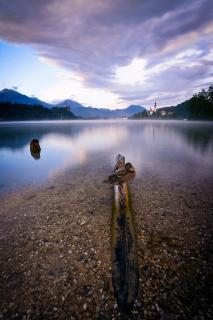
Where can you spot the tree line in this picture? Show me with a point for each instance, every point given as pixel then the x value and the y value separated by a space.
pixel 18 112
pixel 201 105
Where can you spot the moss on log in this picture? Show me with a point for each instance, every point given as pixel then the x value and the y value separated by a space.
pixel 124 252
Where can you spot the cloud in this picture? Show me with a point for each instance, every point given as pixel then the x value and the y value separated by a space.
pixel 93 39
pixel 169 81
pixel 14 88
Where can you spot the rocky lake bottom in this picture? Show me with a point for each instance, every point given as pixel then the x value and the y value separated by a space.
pixel 55 248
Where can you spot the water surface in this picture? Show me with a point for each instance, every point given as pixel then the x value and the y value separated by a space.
pixel 179 151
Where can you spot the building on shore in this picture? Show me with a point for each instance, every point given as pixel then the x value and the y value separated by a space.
pixel 153 109
pixel 164 113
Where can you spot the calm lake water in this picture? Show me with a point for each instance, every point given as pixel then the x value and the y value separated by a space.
pixel 173 150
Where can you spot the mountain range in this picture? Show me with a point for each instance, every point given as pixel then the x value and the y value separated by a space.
pixel 12 96
pixel 79 110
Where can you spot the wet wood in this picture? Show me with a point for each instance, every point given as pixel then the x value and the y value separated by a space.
pixel 124 251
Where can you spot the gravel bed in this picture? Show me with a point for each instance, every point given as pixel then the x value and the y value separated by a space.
pixel 55 249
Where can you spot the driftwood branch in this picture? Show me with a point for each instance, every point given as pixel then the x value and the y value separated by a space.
pixel 124 252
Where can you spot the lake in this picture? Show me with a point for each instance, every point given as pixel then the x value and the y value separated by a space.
pixel 178 151
pixel 55 253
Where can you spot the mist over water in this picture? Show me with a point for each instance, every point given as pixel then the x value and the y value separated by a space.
pixel 179 151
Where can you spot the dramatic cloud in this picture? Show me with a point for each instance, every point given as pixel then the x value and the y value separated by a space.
pixel 137 49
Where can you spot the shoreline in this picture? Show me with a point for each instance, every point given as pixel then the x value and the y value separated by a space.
pixel 102 119
pixel 56 255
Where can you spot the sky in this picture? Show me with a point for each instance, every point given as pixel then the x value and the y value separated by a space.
pixel 110 53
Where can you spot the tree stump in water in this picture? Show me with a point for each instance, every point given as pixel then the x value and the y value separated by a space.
pixel 35 149
pixel 124 252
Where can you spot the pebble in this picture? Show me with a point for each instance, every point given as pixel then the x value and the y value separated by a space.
pixel 158 284
pixel 138 304
pixel 83 222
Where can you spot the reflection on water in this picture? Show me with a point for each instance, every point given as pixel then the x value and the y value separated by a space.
pixel 169 149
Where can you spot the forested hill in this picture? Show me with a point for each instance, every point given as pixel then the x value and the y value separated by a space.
pixel 18 112
pixel 199 107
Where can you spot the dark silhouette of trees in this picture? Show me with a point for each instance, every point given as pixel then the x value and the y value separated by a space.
pixel 140 115
pixel 201 105
pixel 17 112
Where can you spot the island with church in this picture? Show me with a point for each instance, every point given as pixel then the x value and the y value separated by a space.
pixel 199 107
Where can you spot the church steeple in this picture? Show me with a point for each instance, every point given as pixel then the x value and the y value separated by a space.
pixel 155 106
pixel 152 110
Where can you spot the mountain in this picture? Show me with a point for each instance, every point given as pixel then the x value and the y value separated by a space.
pixel 89 112
pixel 69 103
pixel 133 109
pixel 12 96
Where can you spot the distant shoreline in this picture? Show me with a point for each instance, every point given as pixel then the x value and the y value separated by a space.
pixel 101 119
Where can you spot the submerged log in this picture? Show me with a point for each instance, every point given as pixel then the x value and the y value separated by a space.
pixel 124 252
